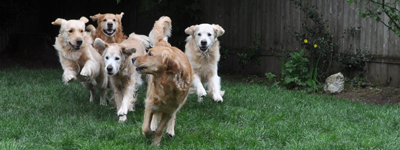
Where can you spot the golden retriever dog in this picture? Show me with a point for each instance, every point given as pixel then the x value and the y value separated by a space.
pixel 202 49
pixel 78 58
pixel 109 27
pixel 124 79
pixel 170 79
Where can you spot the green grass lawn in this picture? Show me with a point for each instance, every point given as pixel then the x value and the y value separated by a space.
pixel 37 111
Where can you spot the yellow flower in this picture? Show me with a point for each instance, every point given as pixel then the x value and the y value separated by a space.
pixel 305 40
pixel 315 45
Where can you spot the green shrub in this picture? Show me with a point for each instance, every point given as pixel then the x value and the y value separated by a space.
pixel 317 40
pixel 297 73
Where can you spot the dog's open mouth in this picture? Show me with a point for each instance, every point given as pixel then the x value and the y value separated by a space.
pixel 203 48
pixel 139 69
pixel 109 32
pixel 74 47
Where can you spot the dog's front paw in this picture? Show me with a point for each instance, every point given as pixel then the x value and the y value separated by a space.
pixel 123 110
pixel 201 93
pixel 200 98
pixel 86 72
pixel 67 78
pixel 218 98
pixel 122 118
pixel 170 133
pixel 156 143
pixel 147 133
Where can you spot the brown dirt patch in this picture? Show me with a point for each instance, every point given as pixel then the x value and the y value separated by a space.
pixel 378 95
pixel 374 95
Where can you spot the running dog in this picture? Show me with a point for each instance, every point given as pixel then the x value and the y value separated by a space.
pixel 170 79
pixel 124 79
pixel 79 60
pixel 202 49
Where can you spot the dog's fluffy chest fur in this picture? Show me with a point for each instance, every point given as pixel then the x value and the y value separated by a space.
pixel 196 56
pixel 166 91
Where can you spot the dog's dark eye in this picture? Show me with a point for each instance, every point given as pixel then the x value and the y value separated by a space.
pixel 116 58
pixel 199 34
pixel 81 31
pixel 150 54
pixel 70 31
pixel 209 34
pixel 106 57
pixel 104 20
pixel 114 20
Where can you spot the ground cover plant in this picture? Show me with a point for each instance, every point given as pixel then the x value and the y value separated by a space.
pixel 39 112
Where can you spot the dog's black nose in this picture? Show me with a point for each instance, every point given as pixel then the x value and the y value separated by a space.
pixel 133 60
pixel 109 25
pixel 109 68
pixel 203 42
pixel 79 41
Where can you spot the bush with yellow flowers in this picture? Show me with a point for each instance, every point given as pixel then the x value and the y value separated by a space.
pixel 318 44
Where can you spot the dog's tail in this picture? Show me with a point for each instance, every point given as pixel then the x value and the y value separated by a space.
pixel 92 30
pixel 144 40
pixel 160 32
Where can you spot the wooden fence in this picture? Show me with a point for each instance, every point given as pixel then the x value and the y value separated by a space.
pixel 275 19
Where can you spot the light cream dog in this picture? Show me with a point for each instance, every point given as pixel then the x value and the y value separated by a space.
pixel 124 79
pixel 170 79
pixel 78 58
pixel 202 49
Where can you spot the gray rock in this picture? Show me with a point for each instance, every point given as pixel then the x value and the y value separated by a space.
pixel 334 84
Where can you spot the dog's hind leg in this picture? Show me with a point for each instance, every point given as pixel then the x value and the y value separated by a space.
pixel 88 85
pixel 201 92
pixel 103 96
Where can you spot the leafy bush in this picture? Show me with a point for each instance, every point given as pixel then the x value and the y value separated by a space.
pixel 317 40
pixel 297 73
pixel 354 61
pixel 301 70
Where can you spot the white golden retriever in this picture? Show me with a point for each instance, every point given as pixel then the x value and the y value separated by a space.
pixel 202 49
pixel 124 79
pixel 78 58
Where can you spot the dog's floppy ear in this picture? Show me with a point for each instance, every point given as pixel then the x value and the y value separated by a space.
pixel 128 51
pixel 84 19
pixel 58 21
pixel 120 15
pixel 219 31
pixel 100 45
pixel 190 30
pixel 171 64
pixel 95 17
